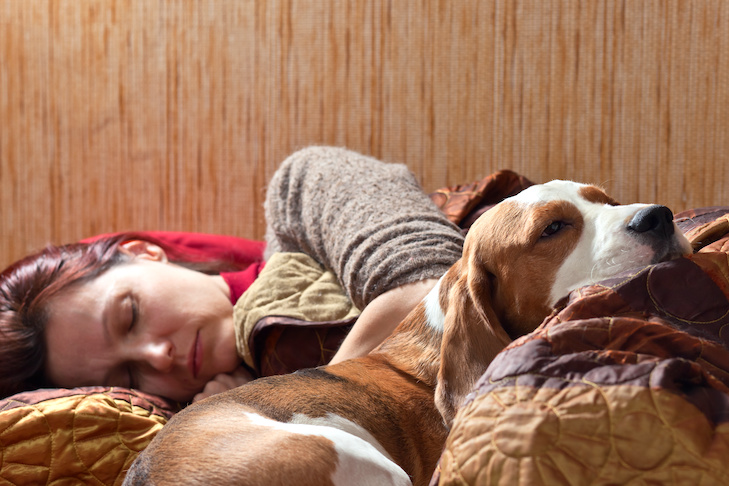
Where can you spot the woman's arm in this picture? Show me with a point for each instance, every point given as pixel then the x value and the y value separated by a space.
pixel 381 317
pixel 369 222
pixel 373 326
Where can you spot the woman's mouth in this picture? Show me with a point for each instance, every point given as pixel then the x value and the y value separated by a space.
pixel 194 360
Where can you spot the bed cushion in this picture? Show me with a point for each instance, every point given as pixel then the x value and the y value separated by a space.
pixel 627 384
pixel 86 435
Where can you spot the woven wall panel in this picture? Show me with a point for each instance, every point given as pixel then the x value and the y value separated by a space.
pixel 119 115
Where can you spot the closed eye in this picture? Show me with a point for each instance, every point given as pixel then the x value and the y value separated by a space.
pixel 134 311
pixel 553 228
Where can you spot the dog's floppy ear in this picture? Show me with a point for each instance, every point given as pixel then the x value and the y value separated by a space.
pixel 472 336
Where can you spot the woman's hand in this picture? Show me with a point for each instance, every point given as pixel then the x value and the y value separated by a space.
pixel 224 382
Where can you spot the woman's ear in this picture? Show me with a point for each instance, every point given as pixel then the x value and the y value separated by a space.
pixel 143 250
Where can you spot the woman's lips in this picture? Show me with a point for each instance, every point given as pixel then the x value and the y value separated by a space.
pixel 194 360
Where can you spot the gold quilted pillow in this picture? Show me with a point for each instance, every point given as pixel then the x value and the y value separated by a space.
pixel 89 434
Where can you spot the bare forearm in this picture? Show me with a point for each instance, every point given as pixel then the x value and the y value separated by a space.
pixel 381 317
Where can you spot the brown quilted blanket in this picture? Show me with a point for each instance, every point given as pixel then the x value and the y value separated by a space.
pixel 627 383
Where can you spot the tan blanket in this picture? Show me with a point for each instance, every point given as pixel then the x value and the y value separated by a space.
pixel 292 286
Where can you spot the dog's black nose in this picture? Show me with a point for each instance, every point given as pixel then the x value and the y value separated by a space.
pixel 653 219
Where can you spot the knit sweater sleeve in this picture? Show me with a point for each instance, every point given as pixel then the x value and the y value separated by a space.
pixel 368 221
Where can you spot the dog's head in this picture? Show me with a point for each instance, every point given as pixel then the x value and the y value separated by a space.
pixel 525 254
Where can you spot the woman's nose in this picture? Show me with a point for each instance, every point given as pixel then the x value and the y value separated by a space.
pixel 159 355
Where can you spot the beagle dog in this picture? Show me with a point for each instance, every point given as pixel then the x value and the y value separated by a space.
pixel 383 418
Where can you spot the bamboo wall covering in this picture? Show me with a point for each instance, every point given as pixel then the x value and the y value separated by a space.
pixel 137 114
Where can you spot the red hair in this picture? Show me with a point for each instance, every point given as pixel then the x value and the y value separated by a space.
pixel 28 284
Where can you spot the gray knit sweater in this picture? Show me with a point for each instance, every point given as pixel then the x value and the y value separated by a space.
pixel 367 221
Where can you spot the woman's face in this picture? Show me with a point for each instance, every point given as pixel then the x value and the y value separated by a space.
pixel 146 324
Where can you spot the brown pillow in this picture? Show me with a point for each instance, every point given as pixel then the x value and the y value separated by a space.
pixel 90 434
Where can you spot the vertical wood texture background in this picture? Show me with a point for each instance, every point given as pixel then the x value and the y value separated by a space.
pixel 140 114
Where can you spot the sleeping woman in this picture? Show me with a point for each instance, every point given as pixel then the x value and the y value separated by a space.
pixel 131 310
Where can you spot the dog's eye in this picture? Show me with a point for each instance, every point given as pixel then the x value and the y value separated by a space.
pixel 553 228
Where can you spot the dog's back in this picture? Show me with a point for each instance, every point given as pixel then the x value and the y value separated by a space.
pixel 353 423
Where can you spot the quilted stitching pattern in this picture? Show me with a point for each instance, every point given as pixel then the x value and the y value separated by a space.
pixel 584 435
pixel 628 402
pixel 25 447
pixel 87 435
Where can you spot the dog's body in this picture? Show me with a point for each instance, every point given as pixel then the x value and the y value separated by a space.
pixel 383 418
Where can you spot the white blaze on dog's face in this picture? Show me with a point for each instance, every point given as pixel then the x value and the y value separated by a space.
pixel 616 238
pixel 552 238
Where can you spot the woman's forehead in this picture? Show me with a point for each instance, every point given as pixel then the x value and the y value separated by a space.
pixel 75 339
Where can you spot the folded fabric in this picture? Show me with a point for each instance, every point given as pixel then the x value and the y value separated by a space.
pixel 292 286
